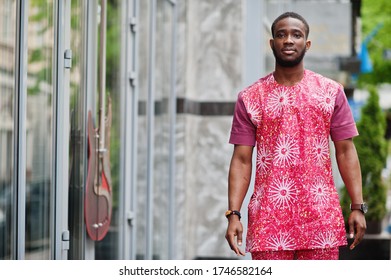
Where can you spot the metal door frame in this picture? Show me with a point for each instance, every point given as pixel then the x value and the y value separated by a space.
pixel 59 191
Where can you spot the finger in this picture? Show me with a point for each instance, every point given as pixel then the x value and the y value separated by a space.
pixel 351 230
pixel 357 240
pixel 355 243
pixel 239 238
pixel 353 222
pixel 239 242
pixel 231 241
pixel 237 250
pixel 232 244
pixel 241 253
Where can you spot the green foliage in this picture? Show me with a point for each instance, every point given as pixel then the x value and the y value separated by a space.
pixel 371 144
pixel 43 9
pixel 113 47
pixel 372 14
pixel 372 151
pixel 40 58
pixel 113 50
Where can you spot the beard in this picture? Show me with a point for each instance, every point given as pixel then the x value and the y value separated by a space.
pixel 288 63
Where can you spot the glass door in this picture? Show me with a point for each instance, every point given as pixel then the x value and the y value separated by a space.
pixel 7 94
pixel 39 130
pixel 33 126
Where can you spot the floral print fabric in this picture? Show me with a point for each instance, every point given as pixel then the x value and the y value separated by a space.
pixel 295 205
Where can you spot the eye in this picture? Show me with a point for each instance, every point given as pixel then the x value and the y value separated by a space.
pixel 280 35
pixel 297 35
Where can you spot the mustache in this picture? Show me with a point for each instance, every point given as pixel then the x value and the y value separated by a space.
pixel 288 49
pixel 288 63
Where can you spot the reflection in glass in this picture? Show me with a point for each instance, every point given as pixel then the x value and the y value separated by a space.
pixel 77 145
pixel 108 247
pixel 7 91
pixel 39 129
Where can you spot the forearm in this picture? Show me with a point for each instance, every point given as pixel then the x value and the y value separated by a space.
pixel 238 181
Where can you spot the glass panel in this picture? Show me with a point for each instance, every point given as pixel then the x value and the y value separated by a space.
pixel 39 129
pixel 77 145
pixel 7 89
pixel 108 247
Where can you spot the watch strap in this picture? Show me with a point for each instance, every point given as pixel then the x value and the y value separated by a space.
pixel 355 206
pixel 359 206
pixel 233 212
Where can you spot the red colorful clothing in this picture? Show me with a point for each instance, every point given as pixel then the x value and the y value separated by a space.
pixel 313 254
pixel 295 205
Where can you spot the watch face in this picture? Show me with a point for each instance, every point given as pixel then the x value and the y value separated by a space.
pixel 364 207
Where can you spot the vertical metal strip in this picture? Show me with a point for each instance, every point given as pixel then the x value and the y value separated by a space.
pixel 124 132
pixel 134 130
pixel 60 103
pixel 130 132
pixel 90 88
pixel 56 86
pixel 102 77
pixel 129 114
pixel 172 143
pixel 19 173
pixel 150 130
pixel 91 61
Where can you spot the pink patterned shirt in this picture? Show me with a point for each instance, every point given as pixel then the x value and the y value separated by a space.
pixel 295 205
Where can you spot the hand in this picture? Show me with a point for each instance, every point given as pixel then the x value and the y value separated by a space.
pixel 234 234
pixel 357 227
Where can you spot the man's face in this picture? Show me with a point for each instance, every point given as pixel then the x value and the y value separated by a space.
pixel 289 43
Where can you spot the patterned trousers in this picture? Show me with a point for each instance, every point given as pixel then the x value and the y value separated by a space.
pixel 314 254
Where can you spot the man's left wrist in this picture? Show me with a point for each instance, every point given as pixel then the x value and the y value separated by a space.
pixel 363 207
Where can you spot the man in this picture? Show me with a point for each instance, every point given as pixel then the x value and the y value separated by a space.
pixel 289 115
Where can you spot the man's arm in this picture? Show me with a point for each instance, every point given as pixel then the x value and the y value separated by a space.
pixel 349 168
pixel 238 182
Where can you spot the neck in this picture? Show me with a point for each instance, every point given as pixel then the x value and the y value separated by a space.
pixel 288 76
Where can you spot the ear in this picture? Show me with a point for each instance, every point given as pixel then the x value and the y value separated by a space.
pixel 307 45
pixel 271 43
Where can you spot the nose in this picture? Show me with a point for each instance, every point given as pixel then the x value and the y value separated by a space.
pixel 288 39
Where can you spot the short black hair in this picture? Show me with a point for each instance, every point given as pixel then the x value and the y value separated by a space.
pixel 291 15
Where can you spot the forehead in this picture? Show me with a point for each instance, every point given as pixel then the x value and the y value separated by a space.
pixel 289 23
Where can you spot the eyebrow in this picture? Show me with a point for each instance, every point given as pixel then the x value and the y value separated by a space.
pixel 293 30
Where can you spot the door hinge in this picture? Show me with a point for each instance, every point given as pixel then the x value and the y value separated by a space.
pixel 68 58
pixel 65 238
pixel 133 78
pixel 130 216
pixel 133 24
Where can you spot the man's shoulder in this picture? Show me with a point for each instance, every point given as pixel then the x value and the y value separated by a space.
pixel 321 78
pixel 254 88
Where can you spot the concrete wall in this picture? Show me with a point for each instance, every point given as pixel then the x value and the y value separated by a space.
pixel 210 58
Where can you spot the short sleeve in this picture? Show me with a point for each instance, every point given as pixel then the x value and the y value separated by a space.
pixel 243 131
pixel 343 125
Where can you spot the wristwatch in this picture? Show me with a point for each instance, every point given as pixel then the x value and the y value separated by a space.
pixel 363 207
pixel 232 212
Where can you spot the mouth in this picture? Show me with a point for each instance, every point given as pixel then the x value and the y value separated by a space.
pixel 288 51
